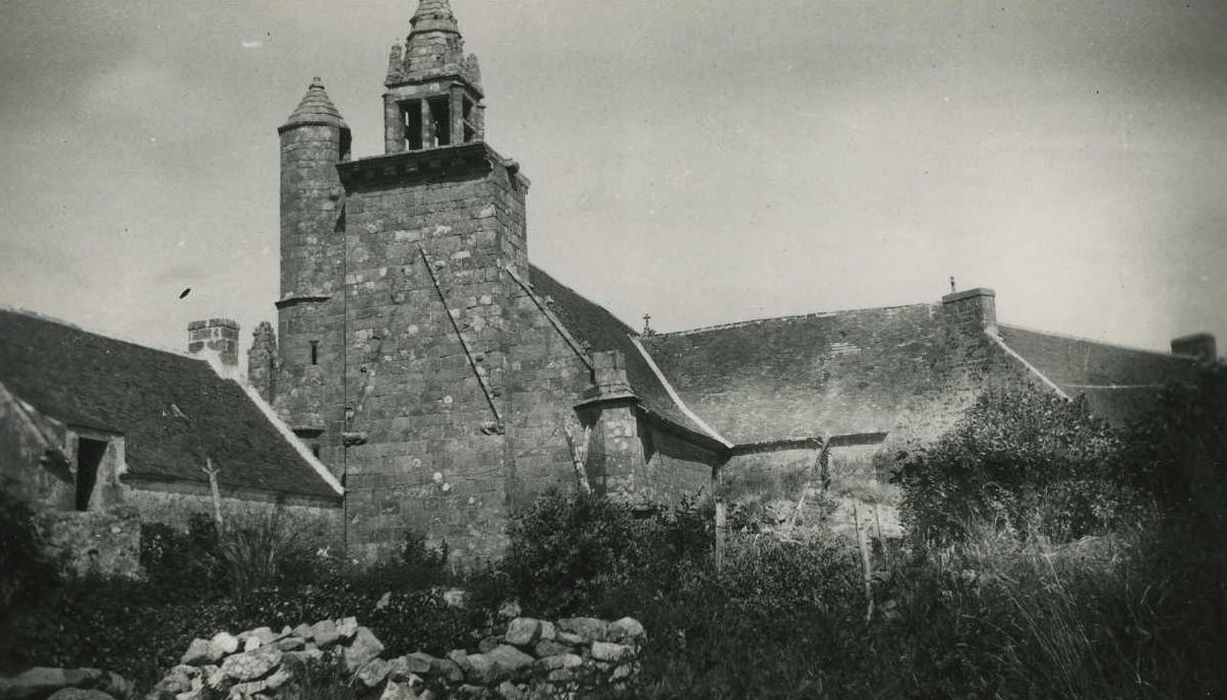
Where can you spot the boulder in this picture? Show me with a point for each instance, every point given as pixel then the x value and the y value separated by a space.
pixel 570 638
pixel 627 631
pixel 609 651
pixel 373 672
pixel 264 634
pixel 551 663
pixel 290 643
pixel 548 631
pixel 548 647
pixel 199 653
pixel 347 627
pixel 303 630
pixel 508 691
pixel 251 643
pixel 364 648
pixel 487 644
pixel 325 634
pixel 482 670
pixel 498 664
pixel 79 694
pixel 303 657
pixel 449 670
pixel 588 628
pixel 523 632
pixel 418 663
pixel 223 643
pixel 251 665
pixel 398 691
pixel 177 680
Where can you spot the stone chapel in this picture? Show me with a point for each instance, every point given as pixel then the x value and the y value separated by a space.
pixel 446 381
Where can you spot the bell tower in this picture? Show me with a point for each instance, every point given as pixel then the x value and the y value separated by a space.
pixel 434 90
pixel 430 241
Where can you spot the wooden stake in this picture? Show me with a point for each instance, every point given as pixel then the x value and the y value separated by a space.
pixel 866 566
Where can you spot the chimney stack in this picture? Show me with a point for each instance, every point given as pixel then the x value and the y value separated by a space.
pixel 216 336
pixel 1198 345
pixel 973 310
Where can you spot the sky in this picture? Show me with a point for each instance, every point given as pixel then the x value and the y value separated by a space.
pixel 702 161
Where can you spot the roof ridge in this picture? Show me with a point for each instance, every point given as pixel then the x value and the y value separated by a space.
pixel 814 314
pixel 1081 339
pixel 48 318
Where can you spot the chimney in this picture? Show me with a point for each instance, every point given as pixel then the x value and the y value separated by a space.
pixel 1198 345
pixel 973 310
pixel 218 337
pixel 609 373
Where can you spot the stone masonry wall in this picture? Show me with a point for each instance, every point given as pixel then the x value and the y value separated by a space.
pixel 545 379
pixel 435 458
pixel 675 468
pixel 310 320
pixel 176 504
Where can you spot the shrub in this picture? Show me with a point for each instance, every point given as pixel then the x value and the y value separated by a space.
pixel 24 571
pixel 1028 462
pixel 583 553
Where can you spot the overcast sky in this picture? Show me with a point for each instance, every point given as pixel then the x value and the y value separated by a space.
pixel 706 162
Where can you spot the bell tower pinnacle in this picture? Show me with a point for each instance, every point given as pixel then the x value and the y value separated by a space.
pixel 434 90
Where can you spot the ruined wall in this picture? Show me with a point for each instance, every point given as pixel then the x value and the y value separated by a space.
pixel 175 504
pixel 435 457
pixel 94 542
pixel 675 468
pixel 773 472
pixel 32 468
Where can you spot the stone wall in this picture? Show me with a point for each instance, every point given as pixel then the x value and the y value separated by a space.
pixel 567 658
pixel 427 355
pixel 175 504
pixel 675 467
pixel 102 543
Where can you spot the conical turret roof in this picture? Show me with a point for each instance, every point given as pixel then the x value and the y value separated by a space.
pixel 316 108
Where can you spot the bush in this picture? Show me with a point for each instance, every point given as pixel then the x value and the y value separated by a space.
pixel 24 571
pixel 1027 462
pixel 586 554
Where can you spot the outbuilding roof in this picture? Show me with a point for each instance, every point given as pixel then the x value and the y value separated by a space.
pixel 172 409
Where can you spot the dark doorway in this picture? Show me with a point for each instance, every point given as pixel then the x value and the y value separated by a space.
pixel 89 456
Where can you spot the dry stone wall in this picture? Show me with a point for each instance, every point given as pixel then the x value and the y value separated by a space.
pixel 533 658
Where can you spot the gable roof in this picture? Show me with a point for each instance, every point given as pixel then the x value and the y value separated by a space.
pixel 839 373
pixel 92 381
pixel 598 329
pixel 1120 384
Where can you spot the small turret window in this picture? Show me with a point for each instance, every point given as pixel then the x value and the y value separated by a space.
pixel 315 352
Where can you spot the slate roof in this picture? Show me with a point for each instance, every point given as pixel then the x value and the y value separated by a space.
pixel 1120 384
pixel 315 108
pixel 593 325
pixel 839 373
pixel 93 381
